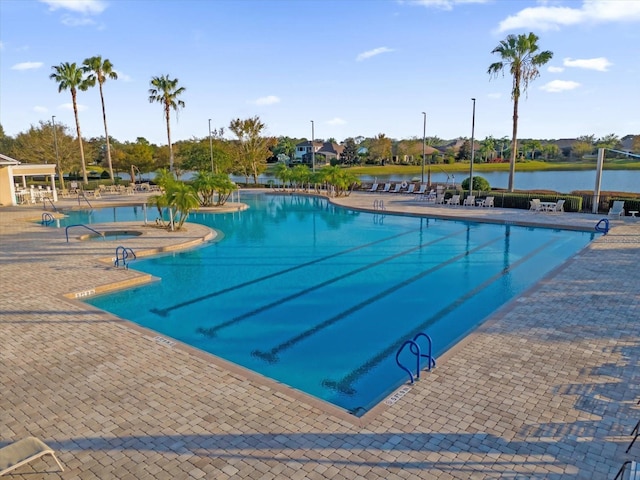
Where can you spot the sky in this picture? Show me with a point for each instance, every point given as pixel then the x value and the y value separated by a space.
pixel 331 68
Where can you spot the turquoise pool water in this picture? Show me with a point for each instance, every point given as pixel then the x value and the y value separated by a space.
pixel 321 298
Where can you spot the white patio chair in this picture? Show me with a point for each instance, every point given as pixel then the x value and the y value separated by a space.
pixel 617 210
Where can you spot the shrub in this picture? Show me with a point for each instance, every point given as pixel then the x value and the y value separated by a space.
pixel 479 183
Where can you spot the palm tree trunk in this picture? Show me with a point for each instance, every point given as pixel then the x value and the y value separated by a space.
pixel 166 114
pixel 106 135
pixel 85 180
pixel 514 144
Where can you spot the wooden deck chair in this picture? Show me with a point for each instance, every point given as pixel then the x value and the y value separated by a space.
pixel 22 452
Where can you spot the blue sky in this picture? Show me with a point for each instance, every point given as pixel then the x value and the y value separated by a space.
pixel 354 67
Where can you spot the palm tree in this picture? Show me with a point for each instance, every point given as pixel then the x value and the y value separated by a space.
pixel 521 54
pixel 70 77
pixel 99 71
pixel 165 91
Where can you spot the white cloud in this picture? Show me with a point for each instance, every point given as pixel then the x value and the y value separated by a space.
pixel 86 7
pixel 555 69
pixel 591 11
pixel 70 21
pixel 39 109
pixel 443 4
pixel 69 106
pixel 372 53
pixel 268 100
pixel 556 86
pixel 600 64
pixel 336 121
pixel 27 66
pixel 495 95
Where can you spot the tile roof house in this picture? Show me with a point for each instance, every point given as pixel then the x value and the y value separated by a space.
pixel 324 152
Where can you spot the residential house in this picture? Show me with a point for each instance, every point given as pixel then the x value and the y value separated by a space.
pixel 324 152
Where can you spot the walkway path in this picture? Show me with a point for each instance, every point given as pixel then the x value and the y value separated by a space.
pixel 546 388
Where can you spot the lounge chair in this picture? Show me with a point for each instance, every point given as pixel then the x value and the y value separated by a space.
pixel 374 187
pixel 396 189
pixel 470 201
pixel 558 207
pixel 487 202
pixel 22 452
pixel 454 200
pixel 386 188
pixel 534 205
pixel 411 188
pixel 440 199
pixel 421 190
pixel 617 210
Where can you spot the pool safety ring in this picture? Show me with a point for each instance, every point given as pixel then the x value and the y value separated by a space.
pixel 403 184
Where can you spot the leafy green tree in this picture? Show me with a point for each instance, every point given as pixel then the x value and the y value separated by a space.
pixel 6 141
pixel 70 77
pixel 252 149
pixel 608 141
pixel 99 71
pixel 522 56
pixel 194 154
pixel 165 91
pixel 350 152
pixel 380 147
pixel 138 154
pixel 582 146
pixel 487 148
pixel 464 153
pixel 550 150
pixel 38 145
pixel 285 146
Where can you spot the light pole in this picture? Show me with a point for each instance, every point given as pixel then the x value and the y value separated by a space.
pixel 210 146
pixel 473 126
pixel 424 133
pixel 55 142
pixel 313 148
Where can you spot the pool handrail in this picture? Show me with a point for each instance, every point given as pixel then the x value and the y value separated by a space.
pixel 125 254
pixel 47 219
pixel 66 230
pixel 413 345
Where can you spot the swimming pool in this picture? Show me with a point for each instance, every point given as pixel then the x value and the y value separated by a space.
pixel 320 298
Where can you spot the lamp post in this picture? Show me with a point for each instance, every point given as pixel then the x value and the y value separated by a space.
pixel 424 144
pixel 55 142
pixel 313 148
pixel 210 146
pixel 473 126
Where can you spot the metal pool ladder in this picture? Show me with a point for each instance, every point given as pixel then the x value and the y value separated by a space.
pixel 122 253
pixel 415 349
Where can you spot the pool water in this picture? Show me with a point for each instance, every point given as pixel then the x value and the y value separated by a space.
pixel 320 298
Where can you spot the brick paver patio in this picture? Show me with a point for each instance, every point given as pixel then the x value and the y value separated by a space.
pixel 546 388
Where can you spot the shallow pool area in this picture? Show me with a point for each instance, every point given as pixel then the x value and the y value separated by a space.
pixel 321 298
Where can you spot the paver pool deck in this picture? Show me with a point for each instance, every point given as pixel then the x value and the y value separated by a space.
pixel 546 388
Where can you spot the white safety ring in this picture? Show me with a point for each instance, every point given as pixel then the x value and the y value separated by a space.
pixel 403 184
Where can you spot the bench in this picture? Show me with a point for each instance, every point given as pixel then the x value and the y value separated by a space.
pixel 22 452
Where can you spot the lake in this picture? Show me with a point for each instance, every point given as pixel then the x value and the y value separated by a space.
pixel 559 181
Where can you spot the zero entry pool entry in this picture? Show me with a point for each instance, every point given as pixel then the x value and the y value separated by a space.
pixel 321 298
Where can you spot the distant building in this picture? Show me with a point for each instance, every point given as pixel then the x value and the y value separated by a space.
pixel 324 152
